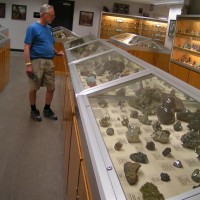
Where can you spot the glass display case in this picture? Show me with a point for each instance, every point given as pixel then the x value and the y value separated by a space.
pixel 136 42
pixel 146 134
pixel 79 41
pixel 112 24
pixel 87 49
pixel 186 48
pixel 96 71
pixel 3 30
pixel 62 34
pixel 4 40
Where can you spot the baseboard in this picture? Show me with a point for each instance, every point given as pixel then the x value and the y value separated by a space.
pixel 18 50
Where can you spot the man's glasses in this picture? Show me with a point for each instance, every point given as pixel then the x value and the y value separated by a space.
pixel 50 15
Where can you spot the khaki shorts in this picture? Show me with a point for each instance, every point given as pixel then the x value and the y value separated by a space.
pixel 45 71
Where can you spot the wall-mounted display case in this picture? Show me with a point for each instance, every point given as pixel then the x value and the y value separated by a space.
pixel 113 24
pixel 185 53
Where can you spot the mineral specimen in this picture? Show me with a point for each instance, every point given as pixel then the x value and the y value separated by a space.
pixel 161 136
pixel 118 146
pixel 121 104
pixel 105 121
pixel 130 170
pixel 166 151
pixel 150 192
pixel 125 121
pixel 120 92
pixel 156 126
pixel 165 177
pixel 196 175
pixel 110 131
pixel 177 126
pixel 194 122
pixel 103 104
pixel 150 146
pixel 190 140
pixel 184 115
pixel 165 112
pixel 144 119
pixel 91 80
pixel 132 134
pixel 147 100
pixel 178 164
pixel 139 157
pixel 134 114
pixel 197 151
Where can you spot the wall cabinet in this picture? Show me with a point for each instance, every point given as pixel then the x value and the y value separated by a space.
pixel 186 48
pixel 113 24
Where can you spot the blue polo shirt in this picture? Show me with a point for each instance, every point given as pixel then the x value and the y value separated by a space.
pixel 41 40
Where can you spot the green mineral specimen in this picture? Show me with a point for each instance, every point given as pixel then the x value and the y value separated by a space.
pixel 150 192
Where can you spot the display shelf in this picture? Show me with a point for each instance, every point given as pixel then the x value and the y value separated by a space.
pixel 186 47
pixel 112 24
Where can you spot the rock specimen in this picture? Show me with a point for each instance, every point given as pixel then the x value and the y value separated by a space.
pixel 110 131
pixel 147 100
pixel 134 114
pixel 120 92
pixel 85 72
pixel 103 104
pixel 150 192
pixel 184 115
pixel 177 126
pixel 91 80
pixel 166 151
pixel 165 112
pixel 105 121
pixel 139 157
pixel 194 123
pixel 132 134
pixel 130 170
pixel 156 126
pixel 125 121
pixel 118 146
pixel 196 175
pixel 165 177
pixel 144 119
pixel 190 140
pixel 161 136
pixel 121 104
pixel 150 146
pixel 178 164
pixel 197 151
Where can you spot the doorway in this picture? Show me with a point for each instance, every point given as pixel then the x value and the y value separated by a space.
pixel 64 12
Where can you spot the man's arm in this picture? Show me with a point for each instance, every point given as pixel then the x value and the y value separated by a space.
pixel 27 59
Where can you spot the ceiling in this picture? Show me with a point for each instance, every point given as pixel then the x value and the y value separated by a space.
pixel 158 2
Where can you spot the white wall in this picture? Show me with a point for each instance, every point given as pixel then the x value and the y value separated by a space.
pixel 174 10
pixel 17 28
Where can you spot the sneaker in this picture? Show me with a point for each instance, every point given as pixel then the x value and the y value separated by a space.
pixel 50 114
pixel 35 115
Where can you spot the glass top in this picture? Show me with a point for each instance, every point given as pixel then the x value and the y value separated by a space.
pixel 104 68
pixel 79 41
pixel 88 49
pixel 150 122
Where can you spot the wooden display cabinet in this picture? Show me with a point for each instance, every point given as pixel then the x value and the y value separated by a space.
pixel 186 49
pixel 112 24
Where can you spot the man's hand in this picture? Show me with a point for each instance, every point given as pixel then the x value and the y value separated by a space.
pixel 29 70
pixel 59 53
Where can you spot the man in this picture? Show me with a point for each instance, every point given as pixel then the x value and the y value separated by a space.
pixel 39 52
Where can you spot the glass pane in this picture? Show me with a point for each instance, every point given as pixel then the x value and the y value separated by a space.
pixel 104 68
pixel 150 122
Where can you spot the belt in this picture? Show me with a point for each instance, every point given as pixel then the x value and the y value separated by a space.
pixel 42 58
